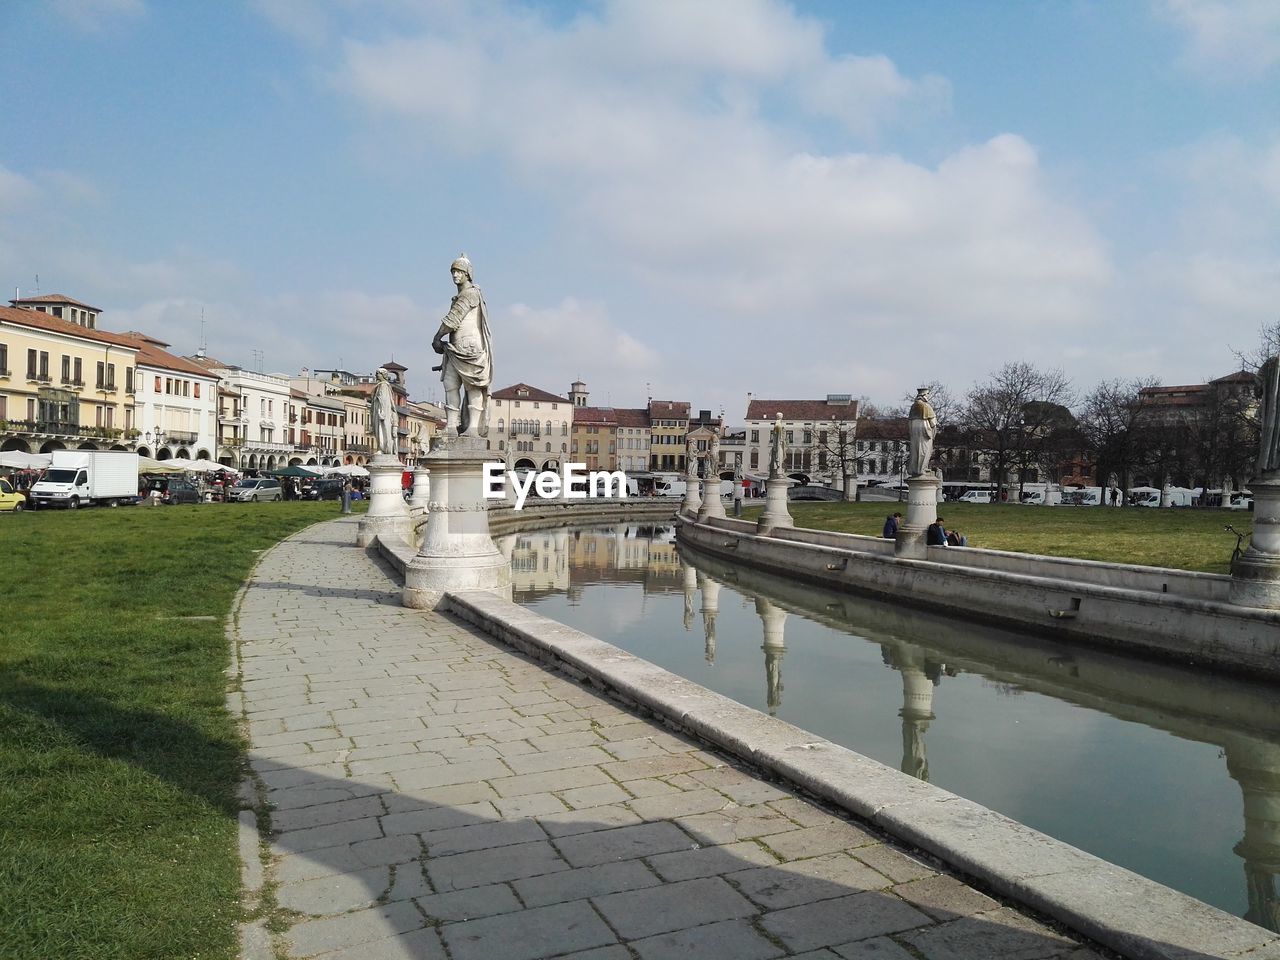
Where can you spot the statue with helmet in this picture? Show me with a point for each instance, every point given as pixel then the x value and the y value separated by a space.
pixel 467 357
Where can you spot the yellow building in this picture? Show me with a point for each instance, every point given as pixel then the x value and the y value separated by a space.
pixel 668 424
pixel 595 438
pixel 64 384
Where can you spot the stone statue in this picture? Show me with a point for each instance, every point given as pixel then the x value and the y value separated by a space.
pixel 922 426
pixel 690 455
pixel 737 470
pixel 467 367
pixel 1269 436
pixel 382 415
pixel 777 448
pixel 713 457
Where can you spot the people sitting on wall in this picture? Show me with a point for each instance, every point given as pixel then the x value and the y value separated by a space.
pixel 891 525
pixel 936 534
pixel 956 539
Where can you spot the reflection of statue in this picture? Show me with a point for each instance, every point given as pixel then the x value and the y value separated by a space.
pixel 922 424
pixel 1269 445
pixel 777 448
pixel 382 414
pixel 467 368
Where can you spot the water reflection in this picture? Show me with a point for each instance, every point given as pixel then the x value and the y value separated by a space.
pixel 1097 748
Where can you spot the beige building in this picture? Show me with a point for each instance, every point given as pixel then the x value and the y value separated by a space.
pixel 530 427
pixel 668 424
pixel 819 435
pixel 64 384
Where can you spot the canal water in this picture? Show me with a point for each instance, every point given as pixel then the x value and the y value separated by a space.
pixel 1170 772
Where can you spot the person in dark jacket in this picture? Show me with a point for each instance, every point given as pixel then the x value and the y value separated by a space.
pixel 891 525
pixel 936 535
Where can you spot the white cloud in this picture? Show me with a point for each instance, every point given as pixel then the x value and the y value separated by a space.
pixel 1227 38
pixel 670 152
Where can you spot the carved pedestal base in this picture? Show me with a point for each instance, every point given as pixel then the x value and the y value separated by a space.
pixel 922 510
pixel 387 509
pixel 775 513
pixel 712 505
pixel 421 488
pixel 692 497
pixel 457 552
pixel 1255 577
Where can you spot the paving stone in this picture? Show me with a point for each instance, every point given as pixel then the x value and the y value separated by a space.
pixel 349 929
pixel 672 906
pixel 418 945
pixel 529 934
pixel 667 806
pixel 806 881
pixel 801 811
pixel 597 796
pixel 531 805
pixel 646 767
pixel 332 834
pixel 469 904
pixel 624 843
pixel 457 794
pixel 711 861
pixel 438 818
pixel 877 948
pixel 944 897
pixel 568 822
pixel 812 841
pixel 482 836
pixel 447 774
pixel 728 940
pixel 318 815
pixel 335 893
pixel 732 823
pixel 738 786
pixel 481 867
pixel 615 952
pixel 893 863
pixel 548 782
pixel 586 882
pixel 1002 933
pixel 635 749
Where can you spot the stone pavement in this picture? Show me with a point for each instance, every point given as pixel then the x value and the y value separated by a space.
pixel 432 793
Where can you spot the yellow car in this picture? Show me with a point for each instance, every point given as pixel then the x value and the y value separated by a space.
pixel 11 499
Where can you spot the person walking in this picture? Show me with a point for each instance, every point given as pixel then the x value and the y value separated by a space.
pixel 346 494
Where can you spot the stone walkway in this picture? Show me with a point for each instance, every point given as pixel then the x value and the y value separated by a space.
pixel 434 794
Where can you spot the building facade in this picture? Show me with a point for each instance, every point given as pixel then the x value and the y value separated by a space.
pixel 820 435
pixel 176 403
pixel 530 427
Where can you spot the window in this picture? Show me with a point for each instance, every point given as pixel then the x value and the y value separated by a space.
pixel 111 376
pixel 564 429
pixel 66 368
pixel 102 375
pixel 44 365
pixel 536 405
pixel 501 427
pixel 548 428
pixel 128 379
pixel 755 436
pixel 197 391
pixel 79 373
pixel 31 365
pixel 4 360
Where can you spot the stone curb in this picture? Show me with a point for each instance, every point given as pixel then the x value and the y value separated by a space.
pixel 1137 917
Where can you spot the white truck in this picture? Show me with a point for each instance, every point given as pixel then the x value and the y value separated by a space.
pixel 78 478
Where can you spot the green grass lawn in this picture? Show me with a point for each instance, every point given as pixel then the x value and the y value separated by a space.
pixel 118 761
pixel 1185 539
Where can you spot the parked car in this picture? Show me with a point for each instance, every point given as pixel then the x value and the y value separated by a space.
pixel 976 496
pixel 11 499
pixel 173 489
pixel 258 488
pixel 325 490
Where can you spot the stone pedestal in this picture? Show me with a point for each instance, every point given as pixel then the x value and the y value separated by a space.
pixel 1255 576
pixel 387 510
pixel 457 552
pixel 850 487
pixel 692 497
pixel 712 504
pixel 922 510
pixel 421 488
pixel 775 513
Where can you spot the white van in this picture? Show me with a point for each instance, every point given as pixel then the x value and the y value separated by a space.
pixel 976 496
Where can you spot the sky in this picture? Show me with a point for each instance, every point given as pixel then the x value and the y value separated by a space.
pixel 683 199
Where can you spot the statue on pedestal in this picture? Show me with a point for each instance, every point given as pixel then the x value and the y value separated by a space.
pixel 690 455
pixel 1268 465
pixel 382 414
pixel 777 448
pixel 922 426
pixel 467 367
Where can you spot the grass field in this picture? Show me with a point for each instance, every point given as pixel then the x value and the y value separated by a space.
pixel 118 762
pixel 1185 539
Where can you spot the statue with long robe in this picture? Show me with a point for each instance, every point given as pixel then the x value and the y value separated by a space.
pixel 922 427
pixel 1268 465
pixel 777 448
pixel 467 366
pixel 382 415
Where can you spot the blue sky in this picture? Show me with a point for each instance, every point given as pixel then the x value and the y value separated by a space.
pixel 686 199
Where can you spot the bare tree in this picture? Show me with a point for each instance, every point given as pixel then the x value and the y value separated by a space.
pixel 1007 416
pixel 1114 426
